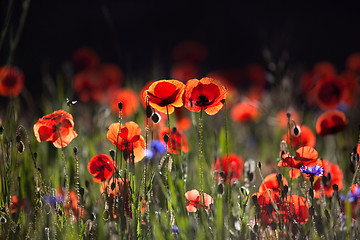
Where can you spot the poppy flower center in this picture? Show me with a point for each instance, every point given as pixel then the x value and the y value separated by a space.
pixel 330 93
pixel 202 101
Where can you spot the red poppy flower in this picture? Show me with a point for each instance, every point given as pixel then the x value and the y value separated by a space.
pixel 166 94
pixel 309 80
pixel 57 127
pixel 330 122
pixel 266 201
pixel 84 58
pixel 195 201
pixel 352 88
pixel 271 182
pixel 332 175
pixel 295 208
pixel 190 51
pixel 305 156
pixel 232 94
pixel 129 100
pixel 329 92
pixel 178 140
pixel 236 167
pixel 245 111
pixel 127 138
pixel 11 81
pixel 102 167
pixel 206 94
pixel 184 71
pixel 282 118
pixel 304 137
pixel 93 84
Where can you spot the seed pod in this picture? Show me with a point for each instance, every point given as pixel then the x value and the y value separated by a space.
pixel 155 117
pixel 148 111
pixel 120 105
pixel 20 147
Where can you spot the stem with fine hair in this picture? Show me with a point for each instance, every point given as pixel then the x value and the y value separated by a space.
pixel 201 151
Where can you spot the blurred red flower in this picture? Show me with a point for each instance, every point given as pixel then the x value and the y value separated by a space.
pixel 127 137
pixel 93 84
pixel 353 62
pixel 128 98
pixel 178 140
pixel 295 208
pixel 329 92
pixel 332 175
pixel 245 111
pixel 305 156
pixel 236 167
pixel 101 166
pixel 11 81
pixel 271 182
pixel 206 94
pixel 282 118
pixel 57 127
pixel 84 58
pixel 195 200
pixel 331 122
pixel 184 71
pixel 166 94
pixel 300 136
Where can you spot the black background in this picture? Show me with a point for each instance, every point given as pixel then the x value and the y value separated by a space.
pixel 137 34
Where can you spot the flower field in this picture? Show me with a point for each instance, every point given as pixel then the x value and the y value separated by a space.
pixel 250 152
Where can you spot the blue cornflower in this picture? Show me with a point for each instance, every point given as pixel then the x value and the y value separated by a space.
pixel 353 196
pixel 312 171
pixel 52 200
pixel 156 148
pixel 175 229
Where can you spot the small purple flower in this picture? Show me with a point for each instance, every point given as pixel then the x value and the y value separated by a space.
pixel 175 229
pixel 156 148
pixel 353 196
pixel 52 200
pixel 312 171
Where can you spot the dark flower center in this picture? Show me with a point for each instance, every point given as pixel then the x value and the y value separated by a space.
pixel 202 101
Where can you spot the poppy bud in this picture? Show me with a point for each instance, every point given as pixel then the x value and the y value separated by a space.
pixel 112 154
pixel 174 129
pixel 75 150
pixel 296 131
pixel 222 174
pixel 18 138
pixel 166 138
pixel 254 199
pixel 155 117
pixel 120 105
pixel 273 225
pixel 256 227
pixel 335 187
pixel 250 176
pixel 81 191
pixel 1 129
pixel 220 188
pixel 148 111
pixel 35 155
pixel 294 229
pixel 259 165
pixel 113 185
pixel 3 220
pixel 288 115
pixel 20 147
pixel 126 154
pixel 87 184
pixel 279 178
pixel 245 191
pixel 285 191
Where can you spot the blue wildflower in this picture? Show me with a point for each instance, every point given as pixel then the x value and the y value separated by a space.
pixel 175 229
pixel 156 148
pixel 353 196
pixel 52 200
pixel 312 171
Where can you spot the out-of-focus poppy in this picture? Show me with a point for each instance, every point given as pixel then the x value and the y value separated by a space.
pixel 94 84
pixel 353 197
pixel 128 138
pixel 195 200
pixel 206 94
pixel 11 81
pixel 329 92
pixel 221 76
pixel 332 175
pixel 266 201
pixel 300 136
pixel 129 100
pixel 282 119
pixel 271 181
pixel 101 166
pixel 353 62
pixel 352 88
pixel 305 156
pixel 309 80
pixel 178 140
pixel 182 121
pixel 184 71
pixel 190 51
pixel 295 208
pixel 245 111
pixel 331 122
pixel 57 127
pixel 15 204
pixel 84 58
pixel 236 167
pixel 166 94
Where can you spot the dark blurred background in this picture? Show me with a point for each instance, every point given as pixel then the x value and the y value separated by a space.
pixel 138 34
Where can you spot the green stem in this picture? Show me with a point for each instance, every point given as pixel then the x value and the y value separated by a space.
pixel 201 151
